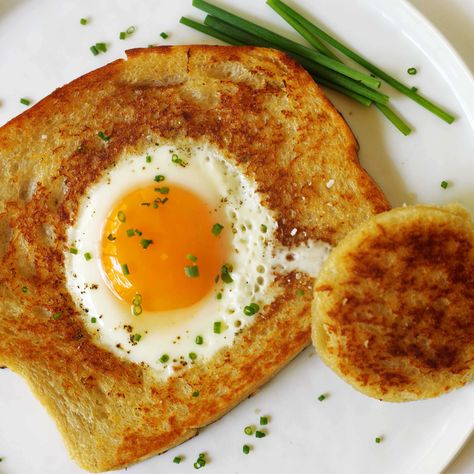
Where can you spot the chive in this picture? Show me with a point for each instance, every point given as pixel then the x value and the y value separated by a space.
pixel 209 31
pixel 191 271
pixel 73 250
pixel 249 430
pixel 217 327
pixel 111 237
pixel 101 47
pixel 300 292
pixel 130 30
pixel 83 21
pixel 56 316
pixel 322 397
pixel 138 232
pixel 217 229
pixel 264 420
pixel 93 320
pixel 394 118
pixel 201 461
pixel 196 393
pixel 137 299
pixel 284 42
pixel 323 72
pixel 103 136
pixel 148 159
pixel 263 228
pixel 225 274
pixel 364 62
pixel 191 257
pixel 125 269
pixel 260 434
pixel 177 459
pixel 24 289
pixel 444 184
pixel 130 232
pixel 199 340
pixel 145 243
pixel 412 71
pixel 164 35
pixel 121 216
pixel 88 256
pixel 137 310
pixel 251 309
pixel 122 35
pixel 219 296
pixel 246 449
pixel 25 101
pixel 94 50
pixel 177 160
pixel 163 190
pixel 378 440
pixel 159 177
pixel 164 358
pixel 137 337
pixel 192 355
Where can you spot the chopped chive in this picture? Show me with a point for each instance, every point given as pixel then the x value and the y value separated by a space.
pixel 322 397
pixel 25 101
pixel 164 35
pixel 177 160
pixel 125 269
pixel 103 136
pixel 219 296
pixel 130 30
pixel 57 316
pixel 101 47
pixel 88 256
pixel 24 289
pixel 199 340
pixel 122 35
pixel 73 250
pixel 137 337
pixel 196 393
pixel 412 71
pixel 138 232
pixel 111 237
pixel 263 228
pixel 225 274
pixel 263 420
pixel 246 449
pixel 249 430
pixel 93 320
pixel 217 327
pixel 217 229
pixel 192 355
pixel 94 50
pixel 191 257
pixel 201 461
pixel 159 177
pixel 164 358
pixel 191 271
pixel 378 440
pixel 299 292
pixel 137 310
pixel 130 232
pixel 83 21
pixel 145 243
pixel 177 459
pixel 260 434
pixel 251 309
pixel 137 299
pixel 444 184
pixel 148 158
pixel 163 190
pixel 121 216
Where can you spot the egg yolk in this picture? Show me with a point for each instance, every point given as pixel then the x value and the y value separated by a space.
pixel 162 248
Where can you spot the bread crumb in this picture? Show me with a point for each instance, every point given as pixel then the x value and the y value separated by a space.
pixel 330 184
pixel 44 137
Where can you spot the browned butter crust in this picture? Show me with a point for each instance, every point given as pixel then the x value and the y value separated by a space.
pixel 263 112
pixel 394 304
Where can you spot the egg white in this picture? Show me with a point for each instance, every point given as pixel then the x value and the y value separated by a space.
pixel 255 258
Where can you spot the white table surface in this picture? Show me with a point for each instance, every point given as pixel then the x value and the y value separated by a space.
pixel 455 20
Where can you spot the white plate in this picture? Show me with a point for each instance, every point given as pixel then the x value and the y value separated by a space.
pixel 42 46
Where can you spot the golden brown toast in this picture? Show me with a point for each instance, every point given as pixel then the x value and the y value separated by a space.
pixel 263 112
pixel 393 310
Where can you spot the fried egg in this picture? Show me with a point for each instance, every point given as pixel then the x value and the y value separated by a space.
pixel 173 253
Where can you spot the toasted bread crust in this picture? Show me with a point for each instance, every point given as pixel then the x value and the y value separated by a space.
pixel 394 304
pixel 261 110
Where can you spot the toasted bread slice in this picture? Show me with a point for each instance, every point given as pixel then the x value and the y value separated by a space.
pixel 393 310
pixel 264 113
